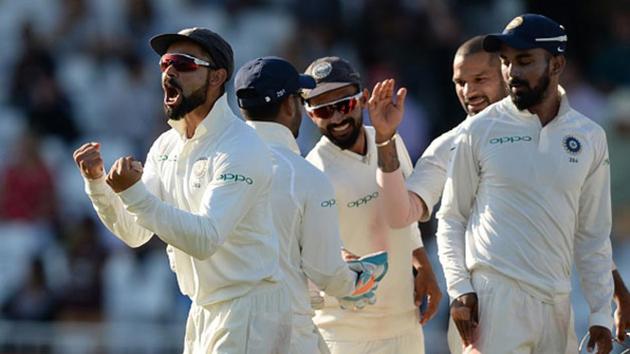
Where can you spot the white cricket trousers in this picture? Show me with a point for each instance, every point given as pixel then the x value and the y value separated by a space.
pixel 305 337
pixel 411 342
pixel 513 321
pixel 259 322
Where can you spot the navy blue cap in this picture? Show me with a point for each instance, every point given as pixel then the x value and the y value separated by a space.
pixel 267 80
pixel 529 31
pixel 331 73
pixel 219 49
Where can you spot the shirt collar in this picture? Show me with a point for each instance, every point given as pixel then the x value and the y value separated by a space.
pixel 274 133
pixel 216 120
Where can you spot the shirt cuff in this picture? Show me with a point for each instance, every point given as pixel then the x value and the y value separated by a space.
pixel 134 195
pixel 600 319
pixel 96 186
pixel 460 288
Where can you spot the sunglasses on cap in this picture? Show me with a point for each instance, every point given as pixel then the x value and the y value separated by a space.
pixel 182 62
pixel 344 105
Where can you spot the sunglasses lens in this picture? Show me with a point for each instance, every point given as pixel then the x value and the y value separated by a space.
pixel 324 112
pixel 346 106
pixel 179 62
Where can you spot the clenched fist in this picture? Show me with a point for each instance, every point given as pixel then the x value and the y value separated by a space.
pixel 89 160
pixel 124 173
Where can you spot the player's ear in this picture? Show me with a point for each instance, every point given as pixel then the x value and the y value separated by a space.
pixel 217 77
pixel 557 64
pixel 365 97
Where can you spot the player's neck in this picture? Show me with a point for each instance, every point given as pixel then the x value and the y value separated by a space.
pixel 547 110
pixel 360 146
pixel 196 116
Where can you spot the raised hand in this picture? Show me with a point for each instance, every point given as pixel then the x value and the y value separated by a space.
pixel 124 173
pixel 385 114
pixel 89 160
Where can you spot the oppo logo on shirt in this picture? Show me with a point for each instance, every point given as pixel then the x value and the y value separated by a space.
pixel 510 139
pixel 233 177
pixel 328 203
pixel 362 201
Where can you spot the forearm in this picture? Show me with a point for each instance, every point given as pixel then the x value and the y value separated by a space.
pixel 452 254
pixel 112 213
pixel 402 207
pixel 388 157
pixel 621 292
pixel 193 234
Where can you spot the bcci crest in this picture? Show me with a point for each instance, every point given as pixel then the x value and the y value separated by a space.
pixel 571 145
pixel 322 70
pixel 200 167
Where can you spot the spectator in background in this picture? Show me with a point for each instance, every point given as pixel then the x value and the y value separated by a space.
pixel 82 294
pixel 34 301
pixel 27 191
pixel 618 133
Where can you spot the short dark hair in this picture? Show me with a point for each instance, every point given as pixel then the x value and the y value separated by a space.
pixel 265 112
pixel 472 46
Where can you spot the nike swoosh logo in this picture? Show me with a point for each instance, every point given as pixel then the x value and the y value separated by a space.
pixel 560 49
pixel 453 148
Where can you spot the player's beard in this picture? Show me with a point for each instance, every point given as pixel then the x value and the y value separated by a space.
pixel 188 103
pixel 347 141
pixel 529 96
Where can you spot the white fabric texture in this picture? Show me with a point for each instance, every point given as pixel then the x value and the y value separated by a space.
pixel 364 230
pixel 528 201
pixel 207 197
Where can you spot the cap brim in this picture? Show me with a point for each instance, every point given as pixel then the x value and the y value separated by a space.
pixel 160 43
pixel 306 82
pixel 325 87
pixel 493 42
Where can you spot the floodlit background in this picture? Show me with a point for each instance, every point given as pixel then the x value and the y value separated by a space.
pixel 81 70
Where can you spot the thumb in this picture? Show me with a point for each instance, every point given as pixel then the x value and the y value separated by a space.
pixel 590 346
pixel 400 97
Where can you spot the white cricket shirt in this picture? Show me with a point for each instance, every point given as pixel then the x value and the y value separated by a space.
pixel 527 201
pixel 207 197
pixel 364 230
pixel 307 222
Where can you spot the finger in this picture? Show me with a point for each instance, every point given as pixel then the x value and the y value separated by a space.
pixel 127 163
pixel 400 97
pixel 604 346
pixel 386 89
pixel 465 331
pixel 620 333
pixel 432 306
pixel 375 91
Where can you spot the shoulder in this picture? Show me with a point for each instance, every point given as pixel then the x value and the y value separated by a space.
pixel 240 145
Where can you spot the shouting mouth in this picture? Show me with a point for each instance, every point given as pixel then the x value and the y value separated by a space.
pixel 172 94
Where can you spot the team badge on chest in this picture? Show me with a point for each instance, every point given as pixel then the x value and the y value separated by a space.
pixel 571 145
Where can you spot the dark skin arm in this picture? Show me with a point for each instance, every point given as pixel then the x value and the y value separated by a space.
pixel 425 285
pixel 622 313
pixel 465 314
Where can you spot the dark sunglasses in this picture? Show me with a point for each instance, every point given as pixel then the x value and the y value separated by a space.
pixel 182 62
pixel 344 105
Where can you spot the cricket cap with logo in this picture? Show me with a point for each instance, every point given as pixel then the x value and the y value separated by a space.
pixel 268 80
pixel 218 48
pixel 331 73
pixel 529 31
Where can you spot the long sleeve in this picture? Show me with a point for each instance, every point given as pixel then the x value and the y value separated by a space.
pixel 320 243
pixel 593 255
pixel 459 195
pixel 402 207
pixel 225 202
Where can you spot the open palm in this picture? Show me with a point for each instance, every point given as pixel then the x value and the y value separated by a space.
pixel 385 114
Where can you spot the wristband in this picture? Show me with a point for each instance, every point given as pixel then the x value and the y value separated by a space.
pixel 387 142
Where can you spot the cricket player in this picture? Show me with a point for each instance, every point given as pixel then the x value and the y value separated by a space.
pixel 204 191
pixel 478 83
pixel 527 194
pixel 347 154
pixel 303 200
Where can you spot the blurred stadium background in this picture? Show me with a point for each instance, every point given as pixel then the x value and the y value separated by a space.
pixel 81 70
